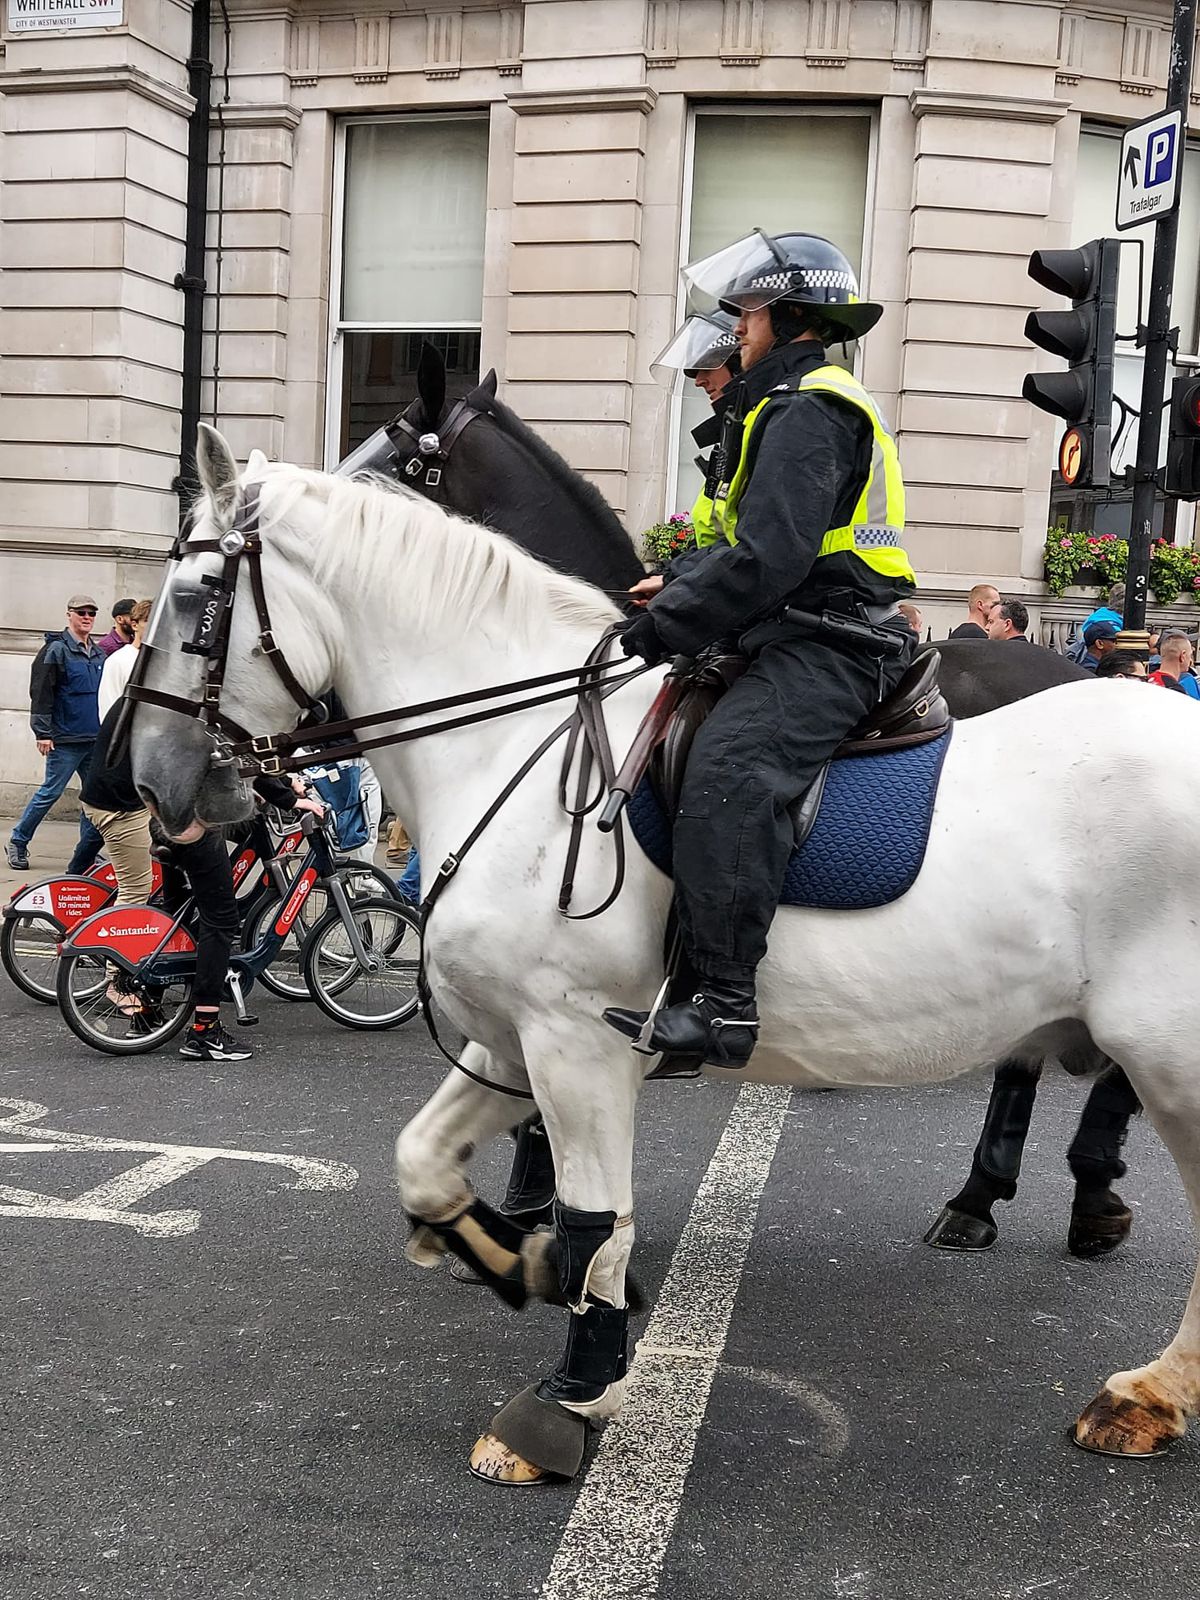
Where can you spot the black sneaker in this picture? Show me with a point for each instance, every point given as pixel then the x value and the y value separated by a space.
pixel 17 856
pixel 213 1044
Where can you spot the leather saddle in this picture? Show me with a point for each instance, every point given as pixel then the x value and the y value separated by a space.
pixel 914 713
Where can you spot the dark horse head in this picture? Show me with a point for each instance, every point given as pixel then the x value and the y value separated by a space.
pixel 476 457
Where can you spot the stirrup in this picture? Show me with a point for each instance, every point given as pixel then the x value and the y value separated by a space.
pixel 642 1043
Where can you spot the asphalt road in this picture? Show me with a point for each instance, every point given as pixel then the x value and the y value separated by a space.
pixel 262 1398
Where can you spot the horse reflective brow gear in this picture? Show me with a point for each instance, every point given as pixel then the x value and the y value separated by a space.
pixel 798 269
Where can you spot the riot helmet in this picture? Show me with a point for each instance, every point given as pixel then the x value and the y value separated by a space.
pixel 799 270
pixel 705 342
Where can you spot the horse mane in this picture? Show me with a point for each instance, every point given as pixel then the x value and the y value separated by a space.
pixel 573 484
pixel 375 535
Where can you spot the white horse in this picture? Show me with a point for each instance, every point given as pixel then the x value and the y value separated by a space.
pixel 389 599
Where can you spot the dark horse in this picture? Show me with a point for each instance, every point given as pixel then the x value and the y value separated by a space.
pixel 477 457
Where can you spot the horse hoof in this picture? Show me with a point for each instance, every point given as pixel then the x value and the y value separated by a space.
pixel 1141 1422
pixel 1095 1232
pixel 493 1460
pixel 958 1230
pixel 424 1247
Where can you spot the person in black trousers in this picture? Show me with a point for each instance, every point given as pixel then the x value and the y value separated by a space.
pixel 203 869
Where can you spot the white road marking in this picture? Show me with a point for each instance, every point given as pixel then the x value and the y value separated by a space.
pixel 110 1201
pixel 616 1538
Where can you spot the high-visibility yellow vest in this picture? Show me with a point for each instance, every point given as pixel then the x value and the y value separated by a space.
pixel 876 528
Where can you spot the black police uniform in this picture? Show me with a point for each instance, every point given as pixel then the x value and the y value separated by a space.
pixel 779 723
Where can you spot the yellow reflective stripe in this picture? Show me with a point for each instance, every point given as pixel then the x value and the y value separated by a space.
pixel 703 521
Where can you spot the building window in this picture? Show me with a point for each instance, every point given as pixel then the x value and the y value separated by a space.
pixel 784 172
pixel 410 265
pixel 1095 196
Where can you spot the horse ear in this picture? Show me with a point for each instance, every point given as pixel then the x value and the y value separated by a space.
pixel 218 471
pixel 487 385
pixel 431 383
pixel 257 464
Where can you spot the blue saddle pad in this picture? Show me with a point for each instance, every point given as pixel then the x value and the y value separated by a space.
pixel 870 835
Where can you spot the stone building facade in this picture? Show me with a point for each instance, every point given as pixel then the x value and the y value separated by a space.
pixel 563 156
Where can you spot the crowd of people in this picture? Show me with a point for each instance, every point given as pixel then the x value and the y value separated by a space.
pixel 1094 647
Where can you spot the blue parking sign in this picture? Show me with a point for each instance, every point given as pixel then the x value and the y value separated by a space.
pixel 1148 177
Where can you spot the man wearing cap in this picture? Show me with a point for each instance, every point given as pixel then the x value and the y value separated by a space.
pixel 64 684
pixel 121 632
pixel 1101 640
pixel 809 513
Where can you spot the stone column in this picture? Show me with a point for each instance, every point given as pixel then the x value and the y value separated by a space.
pixel 977 458
pixel 573 272
pixel 92 211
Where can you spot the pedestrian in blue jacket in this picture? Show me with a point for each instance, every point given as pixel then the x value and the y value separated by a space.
pixel 64 683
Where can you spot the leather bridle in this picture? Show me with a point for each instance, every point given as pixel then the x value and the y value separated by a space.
pixel 242 542
pixel 421 456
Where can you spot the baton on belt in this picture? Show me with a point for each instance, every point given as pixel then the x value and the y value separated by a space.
pixel 849 630
pixel 653 725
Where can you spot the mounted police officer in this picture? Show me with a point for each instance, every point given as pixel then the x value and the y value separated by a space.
pixel 808 513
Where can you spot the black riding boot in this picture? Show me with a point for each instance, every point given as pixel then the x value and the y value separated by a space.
pixel 719 1024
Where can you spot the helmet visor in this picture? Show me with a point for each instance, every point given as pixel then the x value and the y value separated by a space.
pixel 703 344
pixel 748 274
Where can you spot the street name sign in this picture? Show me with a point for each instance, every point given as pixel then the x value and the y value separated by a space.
pixel 58 16
pixel 1148 181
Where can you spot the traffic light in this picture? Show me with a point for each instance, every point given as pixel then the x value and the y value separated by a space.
pixel 1085 336
pixel 1183 440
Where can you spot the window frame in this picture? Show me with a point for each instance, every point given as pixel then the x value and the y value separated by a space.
pixel 337 326
pixel 867 111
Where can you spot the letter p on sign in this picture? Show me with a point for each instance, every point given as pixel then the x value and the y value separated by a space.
pixel 1160 157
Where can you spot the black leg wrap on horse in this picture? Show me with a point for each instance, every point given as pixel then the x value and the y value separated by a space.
pixel 579 1236
pixel 530 1196
pixel 966 1222
pixel 536 1424
pixel 490 1245
pixel 595 1356
pixel 1095 1153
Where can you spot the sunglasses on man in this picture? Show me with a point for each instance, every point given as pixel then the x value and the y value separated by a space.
pixel 82 611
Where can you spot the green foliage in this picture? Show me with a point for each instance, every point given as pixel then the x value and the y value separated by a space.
pixel 1099 560
pixel 668 539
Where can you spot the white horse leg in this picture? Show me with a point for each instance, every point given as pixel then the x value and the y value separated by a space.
pixel 431 1156
pixel 1139 1412
pixel 589 1116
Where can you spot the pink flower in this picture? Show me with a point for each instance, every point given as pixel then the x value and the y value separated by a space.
pixel 1196 583
pixel 1064 544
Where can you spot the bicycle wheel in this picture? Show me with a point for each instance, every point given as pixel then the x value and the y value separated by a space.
pixel 81 988
pixel 29 951
pixel 379 996
pixel 285 976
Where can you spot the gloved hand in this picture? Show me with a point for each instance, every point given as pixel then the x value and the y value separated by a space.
pixel 641 638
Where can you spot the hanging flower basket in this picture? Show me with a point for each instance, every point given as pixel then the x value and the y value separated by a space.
pixel 666 540
pixel 1097 561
